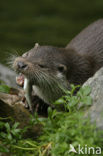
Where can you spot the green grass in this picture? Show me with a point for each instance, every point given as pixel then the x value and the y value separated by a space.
pixel 60 130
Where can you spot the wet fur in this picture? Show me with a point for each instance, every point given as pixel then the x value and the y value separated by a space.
pixel 81 58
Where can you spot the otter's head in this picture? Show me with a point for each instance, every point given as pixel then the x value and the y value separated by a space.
pixel 41 61
pixel 45 67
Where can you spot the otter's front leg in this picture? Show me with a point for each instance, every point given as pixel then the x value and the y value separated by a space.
pixel 28 93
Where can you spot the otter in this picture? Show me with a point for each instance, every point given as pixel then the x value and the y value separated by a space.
pixel 49 70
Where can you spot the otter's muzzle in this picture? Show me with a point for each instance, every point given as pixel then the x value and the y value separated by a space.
pixel 21 65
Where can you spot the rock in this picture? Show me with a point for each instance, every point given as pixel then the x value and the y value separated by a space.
pixel 12 106
pixel 96 110
pixel 8 76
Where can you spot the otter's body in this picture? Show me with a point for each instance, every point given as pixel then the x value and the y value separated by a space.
pixel 50 70
pixel 89 40
pixel 89 43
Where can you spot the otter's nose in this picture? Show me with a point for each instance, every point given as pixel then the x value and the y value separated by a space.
pixel 21 65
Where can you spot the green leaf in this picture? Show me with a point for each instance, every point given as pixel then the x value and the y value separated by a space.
pixel 7 126
pixel 16 124
pixel 9 136
pixel 49 112
pixel 87 100
pixel 54 113
pixel 15 131
pixel 4 89
pixel 73 101
pixel 2 134
pixel 86 90
pixel 3 149
pixel 59 101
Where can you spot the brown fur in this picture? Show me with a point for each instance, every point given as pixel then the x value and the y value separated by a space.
pixel 51 70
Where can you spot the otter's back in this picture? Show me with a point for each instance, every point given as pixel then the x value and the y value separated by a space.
pixel 90 40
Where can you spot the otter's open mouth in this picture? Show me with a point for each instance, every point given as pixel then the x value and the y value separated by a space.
pixel 39 106
pixel 20 80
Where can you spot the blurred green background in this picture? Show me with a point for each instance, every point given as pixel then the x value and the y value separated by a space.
pixel 52 22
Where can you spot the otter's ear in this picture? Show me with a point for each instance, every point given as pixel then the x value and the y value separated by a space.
pixel 36 45
pixel 62 68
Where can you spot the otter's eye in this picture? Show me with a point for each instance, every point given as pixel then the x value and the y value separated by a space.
pixel 62 68
pixel 41 65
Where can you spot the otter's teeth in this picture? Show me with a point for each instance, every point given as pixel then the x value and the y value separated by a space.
pixel 20 80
